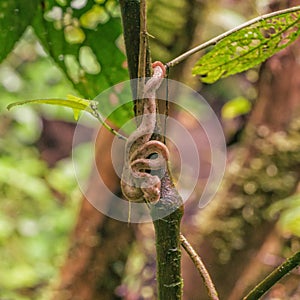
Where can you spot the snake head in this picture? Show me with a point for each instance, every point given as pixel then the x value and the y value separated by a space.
pixel 161 65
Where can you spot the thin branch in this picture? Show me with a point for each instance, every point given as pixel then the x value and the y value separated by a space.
pixel 97 115
pixel 217 39
pixel 211 290
pixel 274 277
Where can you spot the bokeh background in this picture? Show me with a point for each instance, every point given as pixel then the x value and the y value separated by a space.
pixel 52 242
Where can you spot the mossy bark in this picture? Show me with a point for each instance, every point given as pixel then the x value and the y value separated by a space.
pixel 167 231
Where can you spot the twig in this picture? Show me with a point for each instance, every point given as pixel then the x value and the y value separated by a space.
pixel 96 114
pixel 274 277
pixel 215 40
pixel 212 293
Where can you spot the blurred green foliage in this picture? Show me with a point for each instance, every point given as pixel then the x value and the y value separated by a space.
pixel 236 107
pixel 289 211
pixel 38 205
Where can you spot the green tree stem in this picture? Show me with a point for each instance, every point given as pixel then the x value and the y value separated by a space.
pixel 274 277
pixel 167 235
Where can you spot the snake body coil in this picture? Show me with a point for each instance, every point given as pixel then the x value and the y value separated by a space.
pixel 137 182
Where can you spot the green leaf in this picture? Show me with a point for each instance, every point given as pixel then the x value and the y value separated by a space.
pixel 289 210
pixel 83 38
pixel 76 103
pixel 15 16
pixel 290 221
pixel 236 107
pixel 250 45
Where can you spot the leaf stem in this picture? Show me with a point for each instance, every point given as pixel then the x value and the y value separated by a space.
pixel 274 277
pixel 211 290
pixel 215 40
pixel 97 115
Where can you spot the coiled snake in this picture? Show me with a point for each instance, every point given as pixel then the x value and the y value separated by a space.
pixel 138 183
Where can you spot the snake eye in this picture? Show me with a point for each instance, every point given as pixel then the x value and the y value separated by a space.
pixel 153 156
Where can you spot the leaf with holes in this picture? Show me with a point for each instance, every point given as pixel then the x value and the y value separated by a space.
pixel 15 16
pixel 84 39
pixel 249 46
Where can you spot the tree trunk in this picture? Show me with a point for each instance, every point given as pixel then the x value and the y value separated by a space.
pixel 99 244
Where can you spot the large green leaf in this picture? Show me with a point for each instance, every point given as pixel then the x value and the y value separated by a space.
pixel 15 16
pixel 249 46
pixel 83 38
pixel 83 41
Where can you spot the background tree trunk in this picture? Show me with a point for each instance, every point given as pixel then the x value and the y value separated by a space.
pixel 232 230
pixel 99 245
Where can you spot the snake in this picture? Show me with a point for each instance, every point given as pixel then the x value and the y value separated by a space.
pixel 145 159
